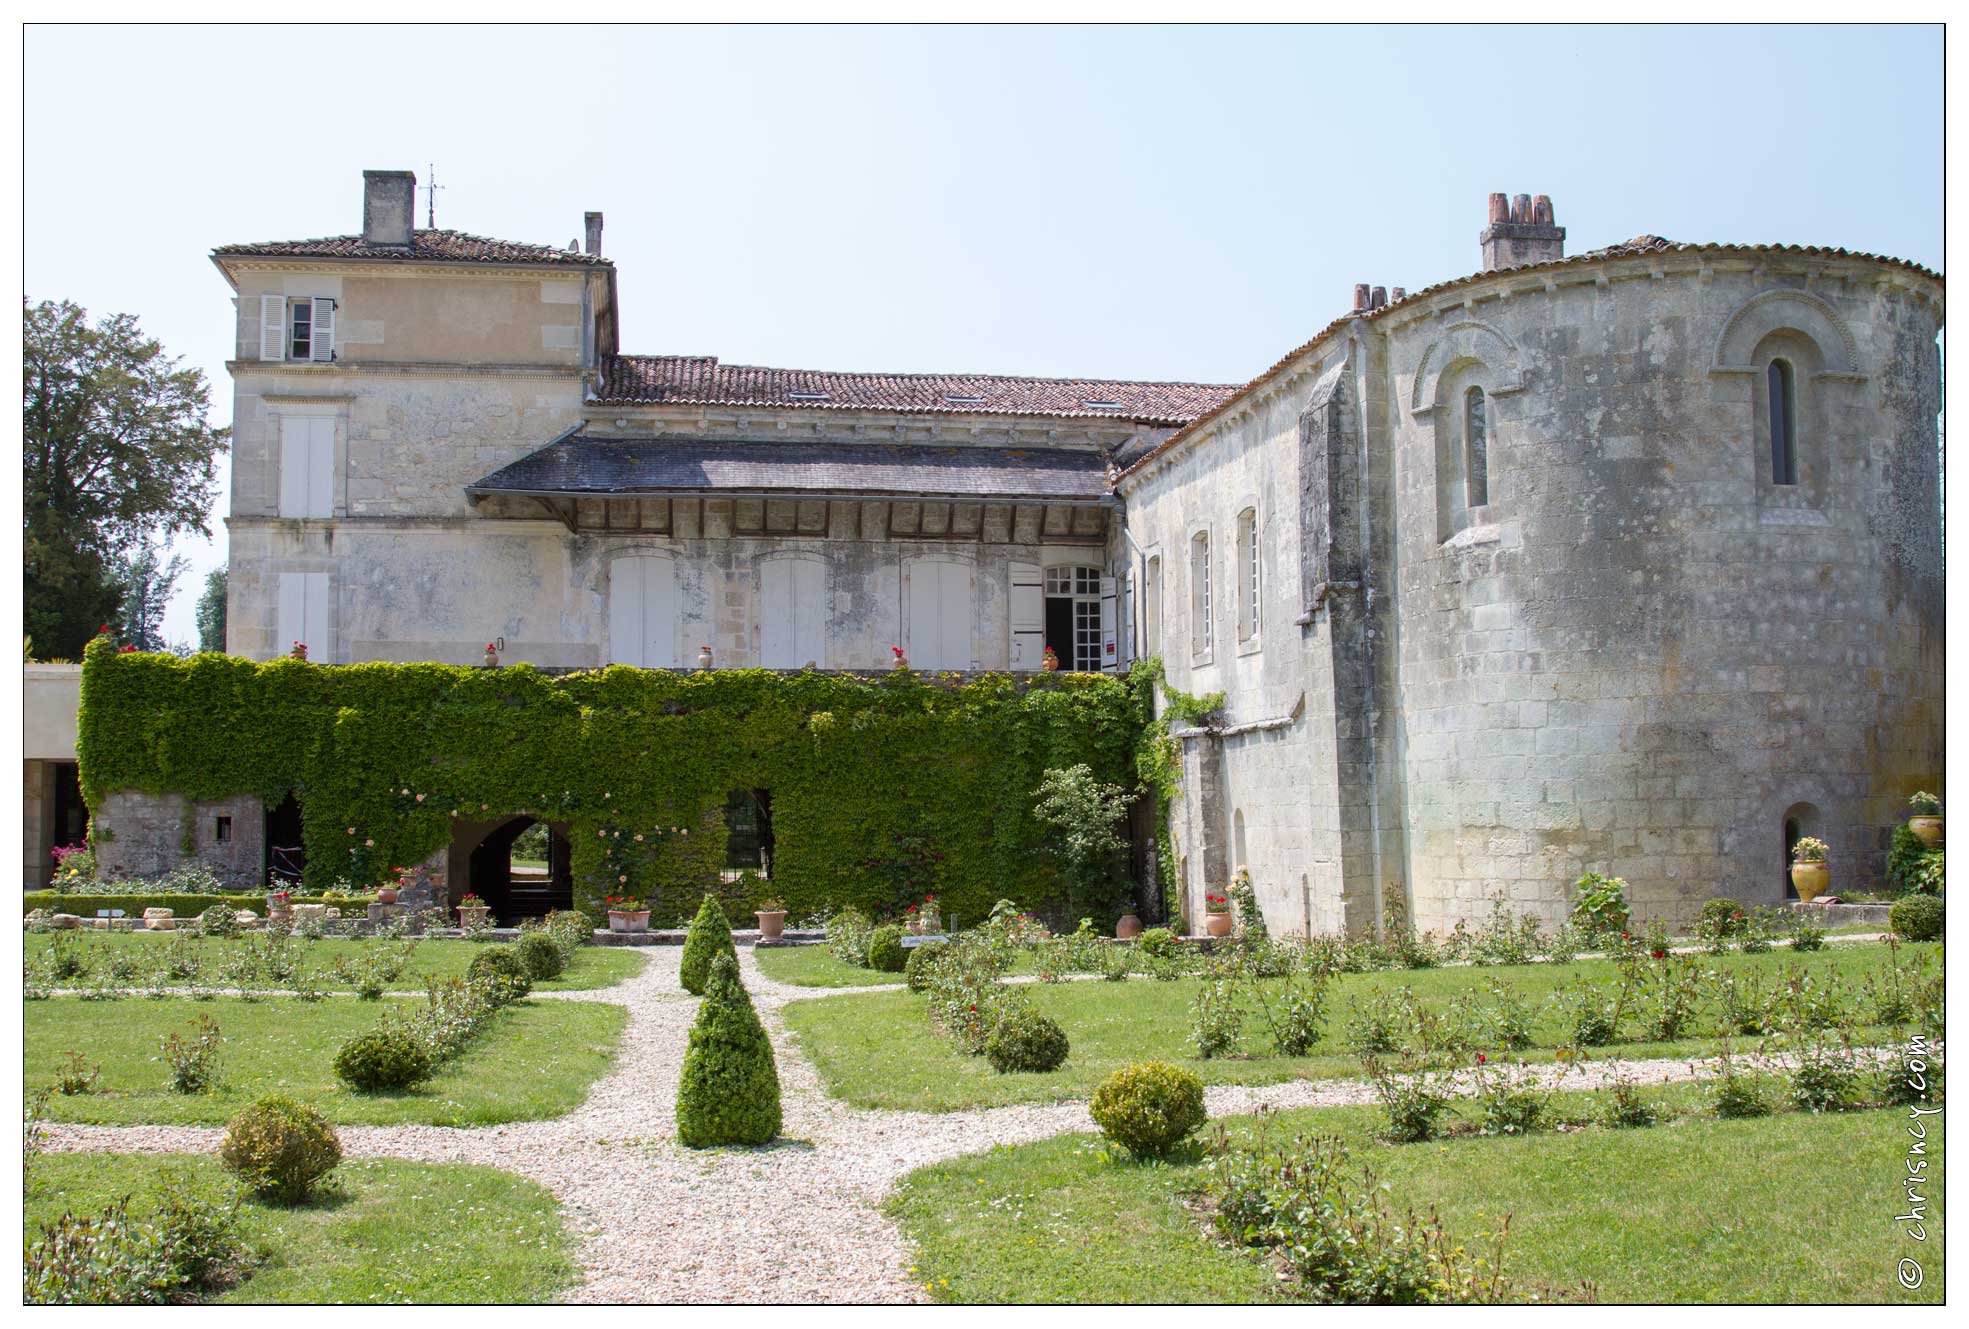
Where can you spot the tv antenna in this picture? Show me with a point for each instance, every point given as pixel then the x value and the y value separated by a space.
pixel 431 198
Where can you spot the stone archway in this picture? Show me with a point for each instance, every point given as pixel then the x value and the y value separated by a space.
pixel 481 862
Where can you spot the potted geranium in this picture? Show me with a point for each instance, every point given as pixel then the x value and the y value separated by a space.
pixel 913 920
pixel 1810 873
pixel 473 912
pixel 1927 819
pixel 772 919
pixel 280 908
pixel 1217 913
pixel 932 915
pixel 627 914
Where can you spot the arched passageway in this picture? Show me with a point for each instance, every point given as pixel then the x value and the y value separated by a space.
pixel 516 885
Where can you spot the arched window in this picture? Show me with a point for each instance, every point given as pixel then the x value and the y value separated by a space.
pixel 1476 450
pixel 1782 408
pixel 1247 574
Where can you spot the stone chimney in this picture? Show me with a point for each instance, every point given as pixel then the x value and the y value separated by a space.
pixel 1521 233
pixel 593 221
pixel 389 207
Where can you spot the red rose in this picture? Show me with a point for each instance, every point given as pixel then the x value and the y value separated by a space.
pixel 1481 1059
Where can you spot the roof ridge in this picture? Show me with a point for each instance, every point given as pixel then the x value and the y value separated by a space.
pixel 933 374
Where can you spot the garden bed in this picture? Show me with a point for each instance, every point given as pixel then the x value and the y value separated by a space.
pixel 1775 1209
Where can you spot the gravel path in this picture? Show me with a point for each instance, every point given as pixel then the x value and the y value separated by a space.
pixel 797 1222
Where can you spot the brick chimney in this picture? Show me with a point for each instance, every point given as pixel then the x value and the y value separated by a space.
pixel 593 222
pixel 1521 233
pixel 389 207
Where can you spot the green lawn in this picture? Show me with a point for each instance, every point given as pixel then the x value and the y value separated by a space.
pixel 815 967
pixel 395 1232
pixel 593 967
pixel 879 1050
pixel 536 1061
pixel 1790 1208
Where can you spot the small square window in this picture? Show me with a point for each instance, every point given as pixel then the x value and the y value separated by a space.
pixel 222 831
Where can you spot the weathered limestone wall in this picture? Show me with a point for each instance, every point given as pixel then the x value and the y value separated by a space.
pixel 1641 652
pixel 147 835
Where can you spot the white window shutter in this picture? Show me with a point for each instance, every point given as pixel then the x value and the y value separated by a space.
pixel 625 611
pixel 296 445
pixel 955 639
pixel 291 624
pixel 810 606
pixel 1028 616
pixel 659 614
pixel 315 621
pixel 273 327
pixel 925 616
pixel 323 346
pixel 1110 651
pixel 321 466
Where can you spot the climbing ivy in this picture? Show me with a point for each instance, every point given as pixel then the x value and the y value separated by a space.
pixel 384 756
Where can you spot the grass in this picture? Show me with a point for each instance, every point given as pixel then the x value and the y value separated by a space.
pixel 815 967
pixel 394 1232
pixel 536 1061
pixel 1791 1208
pixel 593 967
pixel 879 1050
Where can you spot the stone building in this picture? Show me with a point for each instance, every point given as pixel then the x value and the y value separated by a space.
pixel 1628 561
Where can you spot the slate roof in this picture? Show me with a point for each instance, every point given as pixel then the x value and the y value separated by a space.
pixel 703 380
pixel 581 465
pixel 439 246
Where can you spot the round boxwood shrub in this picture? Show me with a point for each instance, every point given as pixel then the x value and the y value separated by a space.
pixel 1025 1040
pixel 387 1057
pixel 1160 943
pixel 916 969
pixel 729 1092
pixel 710 936
pixel 541 957
pixel 1917 917
pixel 280 1148
pixel 502 962
pixel 1720 915
pixel 1149 1108
pixel 885 950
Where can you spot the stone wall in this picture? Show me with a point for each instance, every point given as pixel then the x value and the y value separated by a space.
pixel 147 835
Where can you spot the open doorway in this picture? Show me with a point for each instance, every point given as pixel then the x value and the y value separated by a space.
pixel 285 856
pixel 1073 616
pixel 522 870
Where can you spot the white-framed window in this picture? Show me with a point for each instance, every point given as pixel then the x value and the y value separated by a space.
pixel 297 328
pixel 1073 616
pixel 307 466
pixel 1200 595
pixel 1248 574
pixel 1152 604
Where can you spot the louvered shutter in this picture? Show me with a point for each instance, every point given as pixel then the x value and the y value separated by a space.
pixel 1028 616
pixel 321 466
pixel 273 327
pixel 1110 655
pixel 324 328
pixel 295 454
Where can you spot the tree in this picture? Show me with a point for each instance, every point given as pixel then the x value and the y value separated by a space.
pixel 146 579
pixel 212 611
pixel 729 1090
pixel 1083 812
pixel 115 450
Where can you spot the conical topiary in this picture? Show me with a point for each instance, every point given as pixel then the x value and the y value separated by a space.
pixel 710 936
pixel 729 1093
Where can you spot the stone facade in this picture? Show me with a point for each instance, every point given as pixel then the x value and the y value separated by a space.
pixel 1638 654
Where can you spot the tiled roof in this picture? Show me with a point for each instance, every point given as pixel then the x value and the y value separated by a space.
pixel 702 380
pixel 590 466
pixel 438 246
pixel 1136 458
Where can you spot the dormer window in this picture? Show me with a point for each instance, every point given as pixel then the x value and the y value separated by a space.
pixel 297 328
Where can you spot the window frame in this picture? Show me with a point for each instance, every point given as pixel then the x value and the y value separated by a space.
pixel 1476 448
pixel 1202 639
pixel 1781 419
pixel 1250 578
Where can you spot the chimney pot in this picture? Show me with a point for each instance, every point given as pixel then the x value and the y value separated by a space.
pixel 1379 298
pixel 1521 233
pixel 593 222
pixel 1399 293
pixel 1361 292
pixel 1521 208
pixel 389 207
pixel 1500 208
pixel 1541 210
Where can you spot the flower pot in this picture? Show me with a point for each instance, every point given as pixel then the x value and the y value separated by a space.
pixel 1927 829
pixel 386 895
pixel 158 920
pixel 1217 925
pixel 915 926
pixel 473 915
pixel 629 920
pixel 1128 927
pixel 1810 880
pixel 772 922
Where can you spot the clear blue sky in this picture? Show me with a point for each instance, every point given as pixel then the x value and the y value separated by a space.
pixel 1183 203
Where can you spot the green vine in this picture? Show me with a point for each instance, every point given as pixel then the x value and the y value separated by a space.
pixel 384 757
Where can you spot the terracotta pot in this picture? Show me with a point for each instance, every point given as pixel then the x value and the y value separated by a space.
pixel 1218 925
pixel 471 915
pixel 628 920
pixel 772 922
pixel 1128 927
pixel 386 895
pixel 915 926
pixel 1927 829
pixel 1810 880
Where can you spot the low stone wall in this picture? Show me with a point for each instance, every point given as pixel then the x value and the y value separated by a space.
pixel 1845 915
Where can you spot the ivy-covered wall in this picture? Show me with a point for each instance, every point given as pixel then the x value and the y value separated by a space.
pixel 880 785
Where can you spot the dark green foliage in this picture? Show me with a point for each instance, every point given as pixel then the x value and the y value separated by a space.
pixel 1917 917
pixel 387 1057
pixel 1025 1040
pixel 1149 1108
pixel 1721 914
pixel 885 950
pixel 542 958
pixel 502 962
pixel 280 1148
pixel 729 1092
pixel 710 937
pixel 916 970
pixel 1157 943
pixel 643 752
